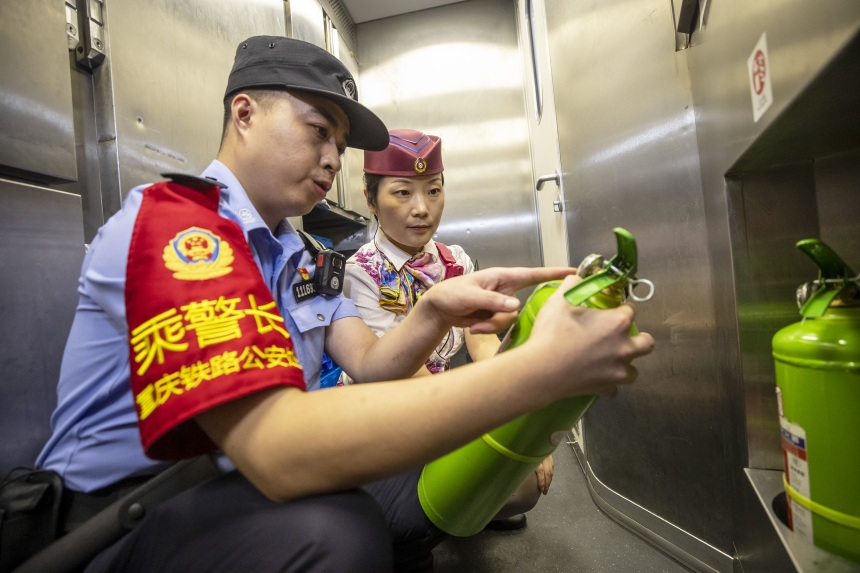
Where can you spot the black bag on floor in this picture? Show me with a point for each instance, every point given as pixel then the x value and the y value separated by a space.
pixel 29 514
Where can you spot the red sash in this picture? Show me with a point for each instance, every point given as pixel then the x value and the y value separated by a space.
pixel 203 326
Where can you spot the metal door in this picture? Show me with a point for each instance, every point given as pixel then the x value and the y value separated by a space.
pixel 543 134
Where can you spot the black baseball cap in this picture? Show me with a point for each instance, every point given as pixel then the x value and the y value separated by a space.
pixel 276 62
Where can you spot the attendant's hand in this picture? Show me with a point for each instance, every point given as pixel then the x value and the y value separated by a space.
pixel 544 474
pixel 482 300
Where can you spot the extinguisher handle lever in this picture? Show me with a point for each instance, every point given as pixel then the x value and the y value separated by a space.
pixel 829 263
pixel 626 259
pixel 833 276
pixel 619 270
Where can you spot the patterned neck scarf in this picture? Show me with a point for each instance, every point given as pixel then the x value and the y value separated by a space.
pixel 399 291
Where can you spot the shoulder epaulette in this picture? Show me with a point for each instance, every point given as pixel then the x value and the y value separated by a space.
pixel 194 182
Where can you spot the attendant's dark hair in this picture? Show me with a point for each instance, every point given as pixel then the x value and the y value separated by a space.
pixel 371 184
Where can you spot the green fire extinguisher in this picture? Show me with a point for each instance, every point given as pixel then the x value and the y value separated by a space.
pixel 817 363
pixel 463 490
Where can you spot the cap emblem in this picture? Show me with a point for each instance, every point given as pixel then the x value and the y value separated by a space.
pixel 349 88
pixel 420 165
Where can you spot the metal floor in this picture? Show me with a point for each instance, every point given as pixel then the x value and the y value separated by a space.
pixel 566 533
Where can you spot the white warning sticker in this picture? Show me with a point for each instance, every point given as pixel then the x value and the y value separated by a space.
pixel 759 74
pixel 796 460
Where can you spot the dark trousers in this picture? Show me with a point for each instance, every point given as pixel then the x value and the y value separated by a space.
pixel 412 533
pixel 226 524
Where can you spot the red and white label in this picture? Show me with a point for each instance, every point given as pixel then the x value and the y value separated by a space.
pixel 796 460
pixel 759 75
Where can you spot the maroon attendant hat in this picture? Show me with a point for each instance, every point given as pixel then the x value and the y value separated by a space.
pixel 409 153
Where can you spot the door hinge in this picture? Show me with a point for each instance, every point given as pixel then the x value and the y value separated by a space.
pixel 85 32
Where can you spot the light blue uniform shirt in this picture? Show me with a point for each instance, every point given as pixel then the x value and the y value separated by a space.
pixel 95 440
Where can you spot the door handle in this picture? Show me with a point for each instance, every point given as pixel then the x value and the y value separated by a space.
pixel 545 178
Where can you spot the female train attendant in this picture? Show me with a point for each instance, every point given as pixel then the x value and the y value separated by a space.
pixel 404 187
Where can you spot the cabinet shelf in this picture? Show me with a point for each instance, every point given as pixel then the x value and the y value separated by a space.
pixel 807 558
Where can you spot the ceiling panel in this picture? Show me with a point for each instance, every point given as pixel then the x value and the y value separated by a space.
pixel 366 10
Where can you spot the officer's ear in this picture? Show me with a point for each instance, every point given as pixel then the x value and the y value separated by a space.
pixel 242 109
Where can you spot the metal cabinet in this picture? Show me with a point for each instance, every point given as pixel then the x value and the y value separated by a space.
pixel 668 143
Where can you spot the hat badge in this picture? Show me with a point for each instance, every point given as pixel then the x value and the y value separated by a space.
pixel 420 165
pixel 349 88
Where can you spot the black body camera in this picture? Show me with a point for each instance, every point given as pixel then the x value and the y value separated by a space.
pixel 330 268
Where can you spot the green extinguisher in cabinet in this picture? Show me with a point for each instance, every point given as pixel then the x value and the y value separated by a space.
pixel 817 363
pixel 463 490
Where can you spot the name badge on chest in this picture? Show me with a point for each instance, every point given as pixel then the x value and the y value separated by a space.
pixel 304 290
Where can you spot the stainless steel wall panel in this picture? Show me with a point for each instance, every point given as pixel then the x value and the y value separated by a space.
pixel 837 181
pixel 629 157
pixel 307 22
pixel 41 251
pixel 455 71
pixel 37 138
pixel 167 80
pixel 351 182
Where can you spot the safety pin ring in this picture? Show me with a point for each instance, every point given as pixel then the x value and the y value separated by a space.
pixel 634 282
